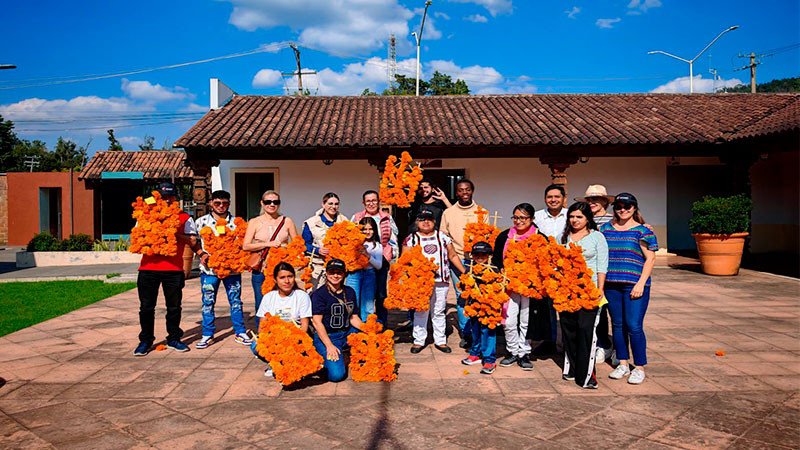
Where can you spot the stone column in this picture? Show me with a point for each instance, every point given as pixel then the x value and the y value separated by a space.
pixel 558 165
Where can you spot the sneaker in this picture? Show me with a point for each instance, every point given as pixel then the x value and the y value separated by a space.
pixel 488 369
pixel 178 346
pixel 599 356
pixel 508 361
pixel 142 349
pixel 622 370
pixel 470 360
pixel 242 338
pixel 204 342
pixel 637 376
pixel 592 384
pixel 525 363
pixel 268 373
pixel 568 377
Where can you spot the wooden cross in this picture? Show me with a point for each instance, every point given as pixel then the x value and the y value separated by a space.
pixel 495 217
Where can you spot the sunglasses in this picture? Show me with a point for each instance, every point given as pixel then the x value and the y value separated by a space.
pixel 220 203
pixel 335 273
pixel 271 202
pixel 520 218
pixel 618 207
pixel 595 199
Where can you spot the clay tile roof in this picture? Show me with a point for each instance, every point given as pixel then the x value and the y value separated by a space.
pixel 155 165
pixel 276 122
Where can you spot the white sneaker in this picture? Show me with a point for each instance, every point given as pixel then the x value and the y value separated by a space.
pixel 637 376
pixel 268 373
pixel 204 342
pixel 599 356
pixel 622 370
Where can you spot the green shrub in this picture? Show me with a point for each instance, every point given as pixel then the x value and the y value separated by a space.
pixel 44 242
pixel 121 245
pixel 77 243
pixel 101 246
pixel 725 215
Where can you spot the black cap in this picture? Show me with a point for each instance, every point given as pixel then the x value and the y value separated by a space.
pixel 627 199
pixel 425 213
pixel 167 188
pixel 481 247
pixel 336 264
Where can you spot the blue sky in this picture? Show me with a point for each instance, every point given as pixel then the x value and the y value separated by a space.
pixel 497 46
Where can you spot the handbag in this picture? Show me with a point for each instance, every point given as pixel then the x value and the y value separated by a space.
pixel 255 262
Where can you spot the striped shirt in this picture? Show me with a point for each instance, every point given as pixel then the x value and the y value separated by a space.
pixel 434 246
pixel 625 257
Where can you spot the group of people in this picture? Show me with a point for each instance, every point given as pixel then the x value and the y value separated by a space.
pixel 617 244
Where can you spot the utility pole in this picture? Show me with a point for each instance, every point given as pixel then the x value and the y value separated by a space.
pixel 713 73
pixel 31 161
pixel 299 72
pixel 418 38
pixel 752 67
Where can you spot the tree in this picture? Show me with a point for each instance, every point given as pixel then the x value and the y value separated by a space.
pixel 439 84
pixel 167 144
pixel 148 144
pixel 782 85
pixel 14 151
pixel 113 143
pixel 367 93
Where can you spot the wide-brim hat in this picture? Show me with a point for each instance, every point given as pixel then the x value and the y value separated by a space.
pixel 595 190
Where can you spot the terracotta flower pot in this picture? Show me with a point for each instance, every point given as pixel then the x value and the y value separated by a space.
pixel 720 254
pixel 188 258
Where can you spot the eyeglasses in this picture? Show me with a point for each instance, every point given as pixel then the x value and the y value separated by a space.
pixel 370 201
pixel 595 199
pixel 618 206
pixel 221 203
pixel 271 202
pixel 520 218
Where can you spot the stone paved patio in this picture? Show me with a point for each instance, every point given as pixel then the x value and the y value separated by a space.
pixel 72 382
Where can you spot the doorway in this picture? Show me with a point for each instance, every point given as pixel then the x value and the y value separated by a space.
pixel 50 211
pixel 445 179
pixel 686 185
pixel 247 190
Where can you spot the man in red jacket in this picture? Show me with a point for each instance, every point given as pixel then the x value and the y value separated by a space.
pixel 165 271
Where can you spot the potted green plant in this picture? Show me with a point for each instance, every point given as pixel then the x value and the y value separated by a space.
pixel 719 226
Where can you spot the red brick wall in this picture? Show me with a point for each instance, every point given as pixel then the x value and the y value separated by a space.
pixel 23 204
pixel 3 209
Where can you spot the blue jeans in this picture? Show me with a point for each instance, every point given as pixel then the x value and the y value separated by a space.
pixel 363 282
pixel 257 280
pixel 484 341
pixel 462 319
pixel 336 370
pixel 255 352
pixel 627 318
pixel 209 284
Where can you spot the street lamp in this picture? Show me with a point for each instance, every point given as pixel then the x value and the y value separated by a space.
pixel 418 38
pixel 7 66
pixel 691 61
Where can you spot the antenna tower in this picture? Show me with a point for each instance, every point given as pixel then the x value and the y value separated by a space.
pixel 391 68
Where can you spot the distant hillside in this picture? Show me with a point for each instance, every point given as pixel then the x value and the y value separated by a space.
pixel 782 85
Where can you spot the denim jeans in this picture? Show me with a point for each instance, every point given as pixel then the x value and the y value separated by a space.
pixel 336 370
pixel 257 280
pixel 363 282
pixel 484 341
pixel 627 319
pixel 255 352
pixel 462 319
pixel 209 284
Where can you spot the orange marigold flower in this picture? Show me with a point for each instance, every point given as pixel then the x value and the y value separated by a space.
pixel 372 353
pixel 487 288
pixel 720 353
pixel 399 181
pixel 224 246
pixel 160 347
pixel 289 351
pixel 156 225
pixel 346 242
pixel 294 255
pixel 480 231
pixel 411 281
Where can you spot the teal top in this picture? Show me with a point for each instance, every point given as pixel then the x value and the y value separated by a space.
pixel 595 252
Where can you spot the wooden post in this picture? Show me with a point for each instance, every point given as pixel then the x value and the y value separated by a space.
pixel 201 184
pixel 558 165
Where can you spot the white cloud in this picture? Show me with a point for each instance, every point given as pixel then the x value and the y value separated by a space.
pixel 701 84
pixel 607 23
pixel 473 75
pixel 643 5
pixel 573 12
pixel 37 108
pixel 129 141
pixel 154 93
pixel 194 107
pixel 494 7
pixel 477 18
pixel 359 26
pixel 441 15
pixel 267 78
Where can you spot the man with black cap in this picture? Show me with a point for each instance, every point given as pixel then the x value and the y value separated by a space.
pixel 167 272
pixel 333 311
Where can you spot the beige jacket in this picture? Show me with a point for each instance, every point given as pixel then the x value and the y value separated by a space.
pixel 318 229
pixel 454 222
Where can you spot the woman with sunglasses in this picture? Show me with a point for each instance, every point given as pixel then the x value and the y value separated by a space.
pixel 631 257
pixel 518 312
pixel 314 229
pixel 268 230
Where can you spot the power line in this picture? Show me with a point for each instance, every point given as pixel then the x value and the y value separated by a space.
pixel 164 122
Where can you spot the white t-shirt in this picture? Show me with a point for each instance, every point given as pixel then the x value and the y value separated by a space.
pixel 434 246
pixel 290 309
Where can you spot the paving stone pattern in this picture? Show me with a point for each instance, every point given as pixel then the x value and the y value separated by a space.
pixel 72 382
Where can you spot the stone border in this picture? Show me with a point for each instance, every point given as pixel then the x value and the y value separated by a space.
pixel 55 259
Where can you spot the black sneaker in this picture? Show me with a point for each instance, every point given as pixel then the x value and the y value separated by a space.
pixel 508 361
pixel 568 377
pixel 525 363
pixel 142 349
pixel 592 384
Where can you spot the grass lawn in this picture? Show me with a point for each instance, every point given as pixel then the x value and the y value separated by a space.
pixel 26 304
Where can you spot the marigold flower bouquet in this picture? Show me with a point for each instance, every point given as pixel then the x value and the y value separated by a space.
pixel 522 263
pixel 156 225
pixel 411 281
pixel 570 285
pixel 399 181
pixel 372 353
pixel 289 351
pixel 346 242
pixel 224 247
pixel 488 288
pixel 480 231
pixel 294 255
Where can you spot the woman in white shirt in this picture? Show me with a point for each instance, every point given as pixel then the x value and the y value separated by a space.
pixel 364 281
pixel 286 301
